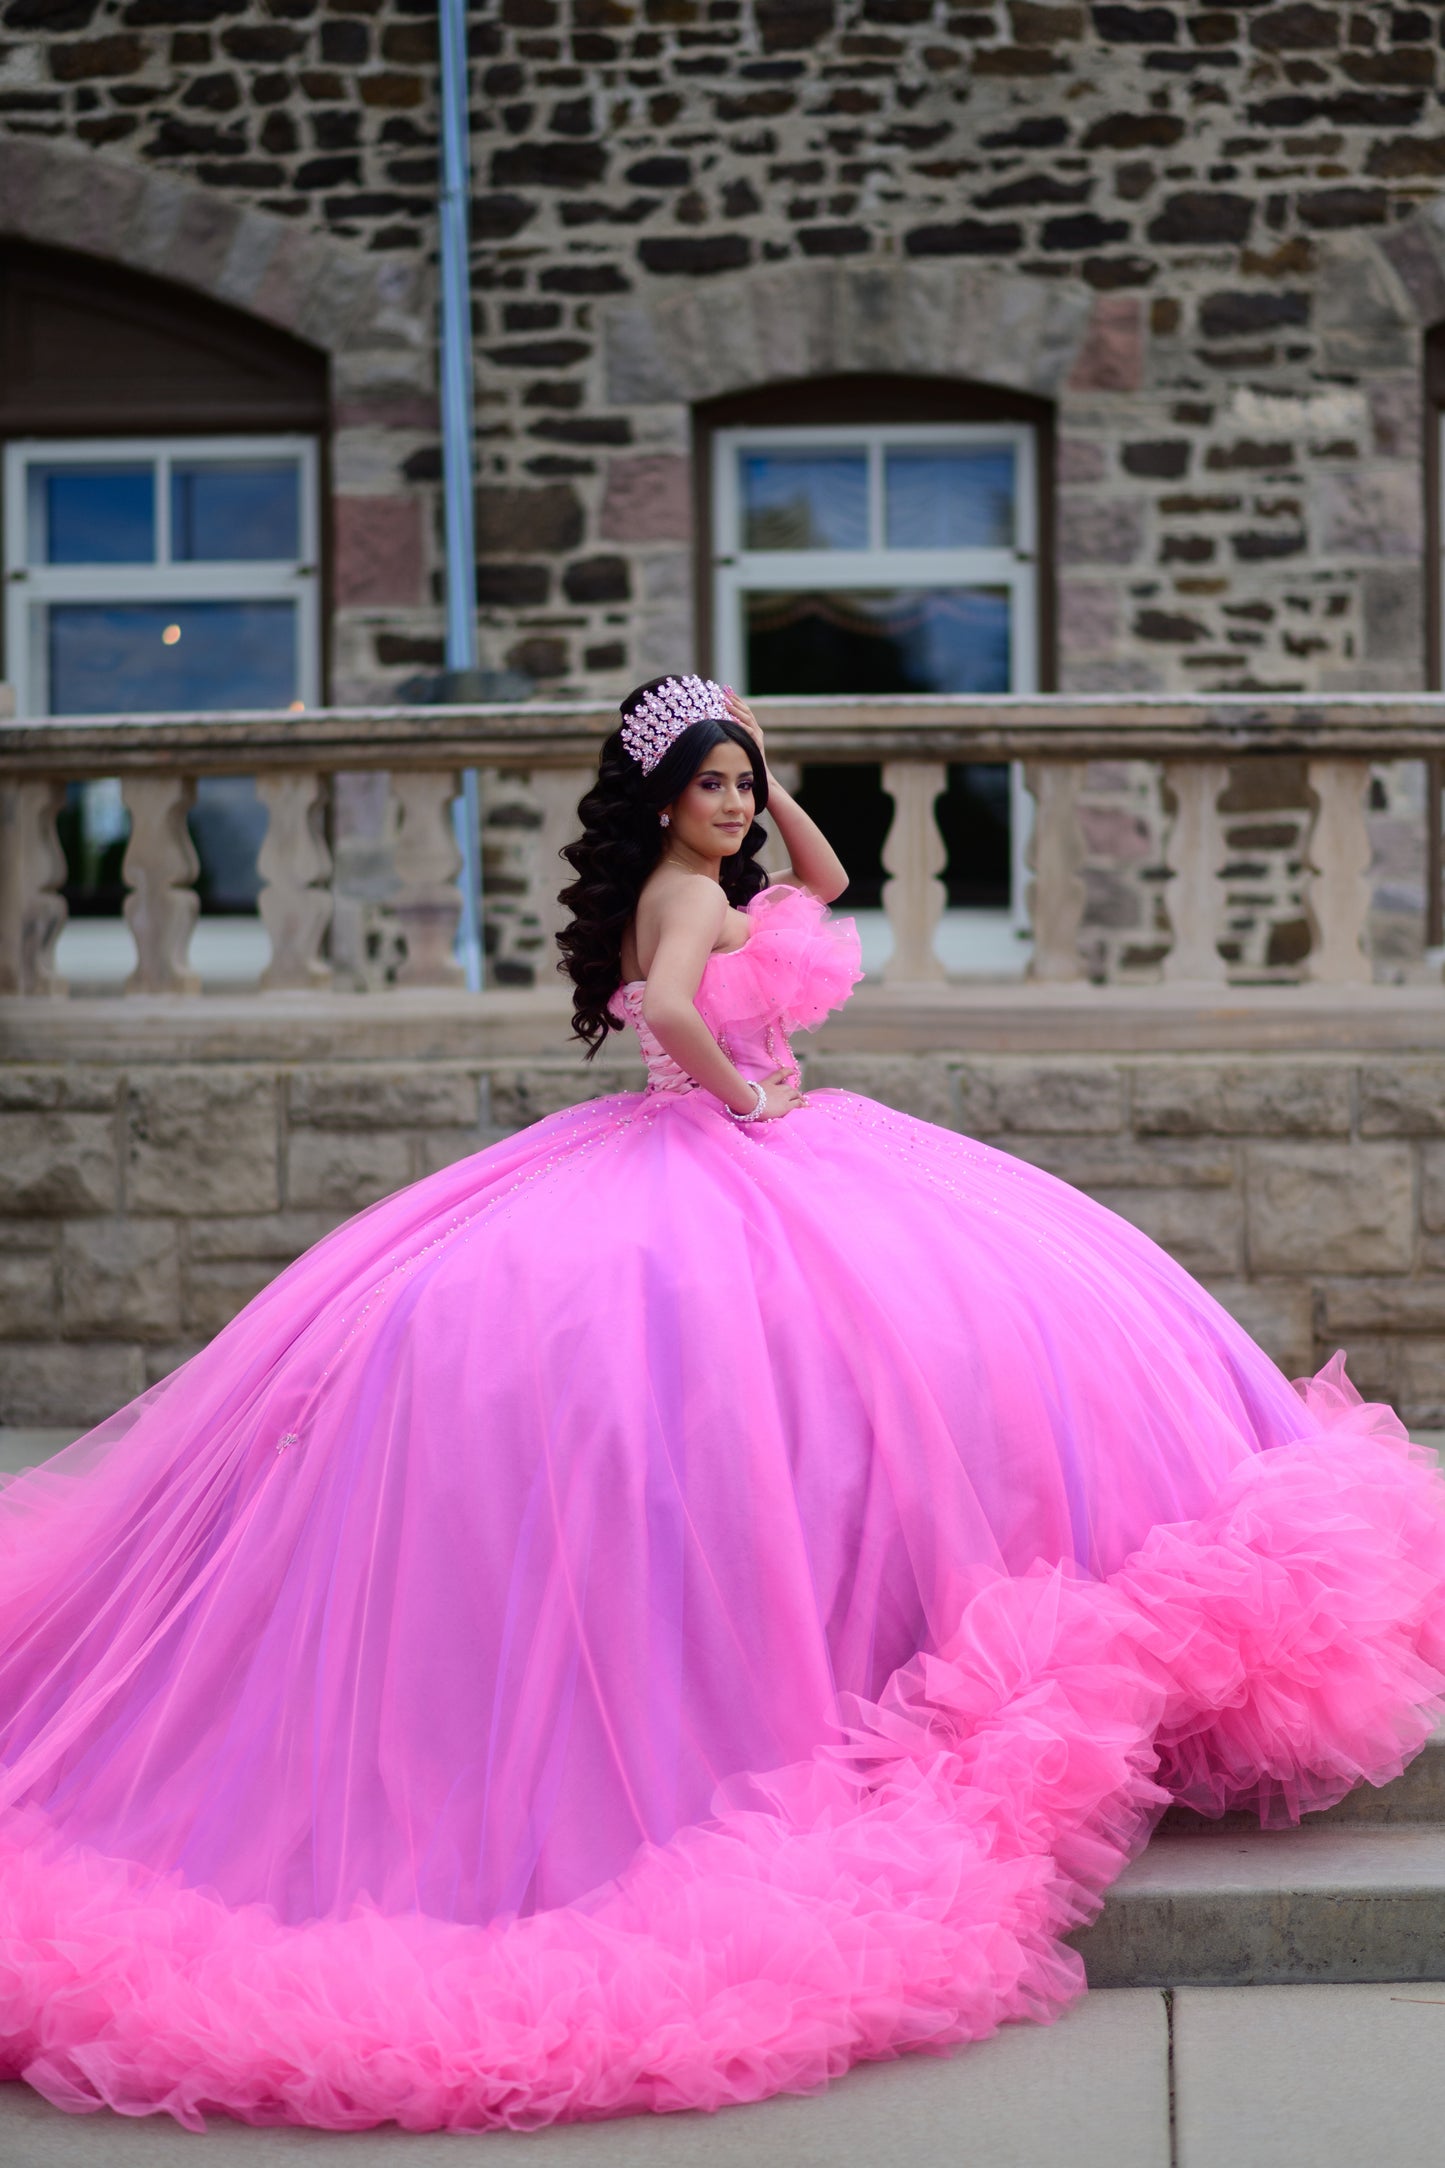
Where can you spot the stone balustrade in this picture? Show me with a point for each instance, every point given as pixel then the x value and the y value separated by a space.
pixel 1195 746
pixel 163 1154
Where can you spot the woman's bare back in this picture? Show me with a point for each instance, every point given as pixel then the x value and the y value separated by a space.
pixel 640 940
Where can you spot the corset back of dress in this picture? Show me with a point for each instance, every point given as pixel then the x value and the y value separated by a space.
pixel 754 1052
pixel 663 1073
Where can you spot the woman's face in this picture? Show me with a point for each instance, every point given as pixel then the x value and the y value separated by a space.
pixel 715 810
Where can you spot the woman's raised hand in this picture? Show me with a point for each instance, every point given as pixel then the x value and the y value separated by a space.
pixel 783 1094
pixel 740 712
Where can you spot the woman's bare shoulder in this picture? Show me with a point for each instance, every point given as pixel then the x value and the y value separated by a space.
pixel 677 897
pixel 673 901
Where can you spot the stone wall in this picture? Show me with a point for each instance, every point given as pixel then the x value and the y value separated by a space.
pixel 1226 201
pixel 1207 235
pixel 141 1206
pixel 1239 452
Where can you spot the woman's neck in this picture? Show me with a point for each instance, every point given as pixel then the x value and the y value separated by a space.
pixel 688 860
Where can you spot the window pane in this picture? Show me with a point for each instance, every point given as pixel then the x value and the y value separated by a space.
pixel 975 821
pixel 925 640
pixel 228 826
pixel 93 828
pixel 804 501
pixel 235 510
pixel 100 515
pixel 141 658
pixel 943 499
pixel 847 802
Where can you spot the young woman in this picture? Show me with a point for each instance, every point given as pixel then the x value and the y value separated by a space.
pixel 708 1590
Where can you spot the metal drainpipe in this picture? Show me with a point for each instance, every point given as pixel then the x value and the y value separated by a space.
pixel 456 390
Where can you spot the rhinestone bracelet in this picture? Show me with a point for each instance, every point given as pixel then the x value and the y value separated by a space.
pixel 759 1104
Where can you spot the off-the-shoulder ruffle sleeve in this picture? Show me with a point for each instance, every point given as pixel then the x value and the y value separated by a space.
pixel 797 966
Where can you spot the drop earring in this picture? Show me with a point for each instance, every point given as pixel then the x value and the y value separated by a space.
pixel 664 820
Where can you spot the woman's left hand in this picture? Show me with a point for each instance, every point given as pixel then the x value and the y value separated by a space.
pixel 740 712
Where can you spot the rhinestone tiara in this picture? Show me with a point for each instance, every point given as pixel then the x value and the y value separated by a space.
pixel 664 714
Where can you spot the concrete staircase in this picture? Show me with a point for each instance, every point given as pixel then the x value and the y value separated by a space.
pixel 1355 1894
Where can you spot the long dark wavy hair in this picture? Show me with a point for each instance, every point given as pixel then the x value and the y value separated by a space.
pixel 621 842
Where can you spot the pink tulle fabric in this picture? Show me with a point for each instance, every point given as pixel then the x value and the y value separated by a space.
pixel 662 1611
pixel 796 966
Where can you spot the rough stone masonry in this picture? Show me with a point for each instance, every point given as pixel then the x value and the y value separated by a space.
pixel 1235 191
pixel 1239 457
pixel 1208 235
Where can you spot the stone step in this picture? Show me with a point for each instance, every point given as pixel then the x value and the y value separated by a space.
pixel 26 1448
pixel 1092 2090
pixel 1414 1797
pixel 1274 1907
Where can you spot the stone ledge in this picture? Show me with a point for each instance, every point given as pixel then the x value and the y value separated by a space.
pixel 144 1227
pixel 1280 1906
pixel 1091 2090
pixel 960 1019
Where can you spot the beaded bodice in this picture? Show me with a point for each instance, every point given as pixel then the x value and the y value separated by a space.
pixel 663 1073
pixel 796 965
pixel 666 1075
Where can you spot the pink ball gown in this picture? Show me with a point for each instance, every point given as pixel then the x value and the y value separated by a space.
pixel 663 1610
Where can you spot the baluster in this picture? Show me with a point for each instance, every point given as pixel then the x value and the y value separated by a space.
pixel 159 871
pixel 557 791
pixel 1055 857
pixel 1193 853
pixel 1337 899
pixel 913 857
pixel 295 868
pixel 32 867
pixel 427 903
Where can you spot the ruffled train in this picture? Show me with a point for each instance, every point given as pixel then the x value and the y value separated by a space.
pixel 905 1889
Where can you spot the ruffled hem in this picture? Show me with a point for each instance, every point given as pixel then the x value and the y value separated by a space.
pixel 904 1890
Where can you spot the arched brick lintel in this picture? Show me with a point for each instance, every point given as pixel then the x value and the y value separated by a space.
pixel 1408 266
pixel 777 324
pixel 335 297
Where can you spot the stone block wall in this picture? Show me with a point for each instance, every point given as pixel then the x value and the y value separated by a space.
pixel 142 1205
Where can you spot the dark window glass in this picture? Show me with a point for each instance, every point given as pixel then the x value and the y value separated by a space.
pixel 936 498
pixel 804 500
pixel 140 658
pixel 924 640
pixel 974 819
pixel 228 826
pixel 930 640
pixel 92 515
pixel 235 511
pixel 848 804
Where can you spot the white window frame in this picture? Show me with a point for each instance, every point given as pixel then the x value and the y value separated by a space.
pixel 29 587
pixel 737 571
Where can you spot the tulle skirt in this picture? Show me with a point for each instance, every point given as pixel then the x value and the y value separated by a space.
pixel 659 1612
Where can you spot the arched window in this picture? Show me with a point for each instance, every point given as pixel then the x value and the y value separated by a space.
pixel 162 527
pixel 885 535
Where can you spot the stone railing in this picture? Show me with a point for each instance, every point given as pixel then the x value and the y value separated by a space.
pixel 1195 743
